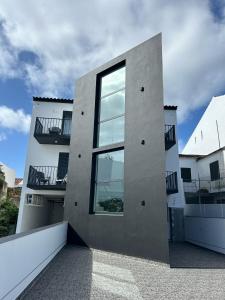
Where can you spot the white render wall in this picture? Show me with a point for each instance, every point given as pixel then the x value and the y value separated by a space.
pixel 190 162
pixel 172 163
pixel 204 139
pixel 10 175
pixel 24 256
pixel 40 155
pixel 206 232
pixel 203 164
pixel 200 167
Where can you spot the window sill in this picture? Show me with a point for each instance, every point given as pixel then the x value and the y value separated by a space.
pixel 108 214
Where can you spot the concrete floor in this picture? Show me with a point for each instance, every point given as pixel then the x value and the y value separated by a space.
pixel 79 273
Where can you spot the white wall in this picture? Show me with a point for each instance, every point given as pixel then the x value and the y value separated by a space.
pixel 204 139
pixel 206 232
pixel 189 162
pixel 203 164
pixel 200 169
pixel 41 154
pixel 172 162
pixel 35 216
pixel 10 175
pixel 23 257
pixel 205 210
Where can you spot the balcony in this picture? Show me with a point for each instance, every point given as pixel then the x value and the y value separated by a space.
pixel 46 178
pixel 170 137
pixel 171 183
pixel 52 131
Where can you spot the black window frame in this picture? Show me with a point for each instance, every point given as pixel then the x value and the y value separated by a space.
pixel 62 156
pixel 98 99
pixel 214 168
pixel 106 148
pixel 186 177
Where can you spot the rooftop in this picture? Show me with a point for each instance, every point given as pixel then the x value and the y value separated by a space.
pixel 55 100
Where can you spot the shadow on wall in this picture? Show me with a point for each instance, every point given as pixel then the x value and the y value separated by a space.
pixel 186 255
pixel 73 238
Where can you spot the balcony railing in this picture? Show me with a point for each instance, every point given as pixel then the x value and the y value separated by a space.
pixel 171 183
pixel 52 131
pixel 45 178
pixel 170 136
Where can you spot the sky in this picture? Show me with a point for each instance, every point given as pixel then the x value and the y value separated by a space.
pixel 46 45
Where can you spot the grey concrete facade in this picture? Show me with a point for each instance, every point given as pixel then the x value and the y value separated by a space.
pixel 141 230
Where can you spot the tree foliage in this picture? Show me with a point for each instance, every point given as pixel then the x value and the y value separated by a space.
pixel 112 205
pixel 8 217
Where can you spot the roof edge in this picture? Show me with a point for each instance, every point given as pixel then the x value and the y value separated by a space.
pixel 55 100
pixel 191 155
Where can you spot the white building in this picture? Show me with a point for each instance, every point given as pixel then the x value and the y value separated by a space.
pixel 175 200
pixel 208 135
pixel 42 198
pixel 10 175
pixel 203 157
pixel 202 170
pixel 44 182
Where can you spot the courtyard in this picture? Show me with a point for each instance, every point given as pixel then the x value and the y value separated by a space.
pixel 81 273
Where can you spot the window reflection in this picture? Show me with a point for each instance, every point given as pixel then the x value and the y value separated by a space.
pixel 112 108
pixel 113 82
pixel 111 132
pixel 113 105
pixel 109 182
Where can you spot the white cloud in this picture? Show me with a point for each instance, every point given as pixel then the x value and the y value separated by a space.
pixel 72 37
pixel 14 119
pixel 3 136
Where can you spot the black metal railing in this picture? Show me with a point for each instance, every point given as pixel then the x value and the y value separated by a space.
pixel 170 136
pixel 205 191
pixel 171 182
pixel 45 177
pixel 53 126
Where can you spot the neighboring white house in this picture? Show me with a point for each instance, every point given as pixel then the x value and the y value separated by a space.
pixel 10 175
pixel 203 173
pixel 203 157
pixel 45 175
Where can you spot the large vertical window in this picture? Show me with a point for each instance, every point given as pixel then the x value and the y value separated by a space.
pixel 108 158
pixel 111 108
pixel 109 182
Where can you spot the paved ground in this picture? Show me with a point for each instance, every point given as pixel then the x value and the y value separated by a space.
pixel 83 274
pixel 185 255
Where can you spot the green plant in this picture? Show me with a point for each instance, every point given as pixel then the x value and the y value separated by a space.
pixel 8 216
pixel 112 205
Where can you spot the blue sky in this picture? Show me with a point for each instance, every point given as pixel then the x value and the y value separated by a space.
pixel 42 54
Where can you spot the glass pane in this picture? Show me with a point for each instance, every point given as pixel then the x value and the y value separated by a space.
pixel 113 105
pixel 113 82
pixel 67 126
pixel 110 166
pixel 109 197
pixel 111 132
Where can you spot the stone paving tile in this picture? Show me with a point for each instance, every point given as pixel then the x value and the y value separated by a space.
pixel 83 274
